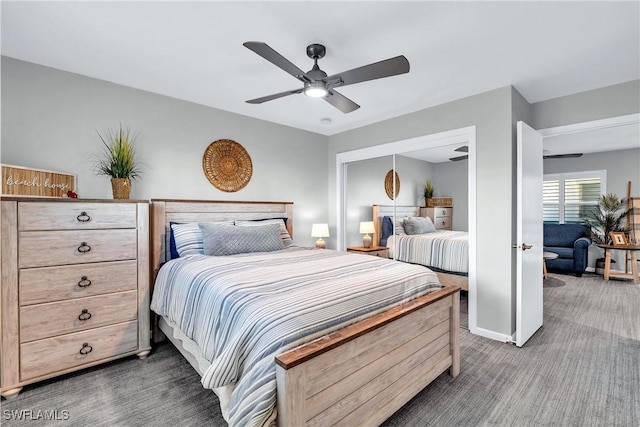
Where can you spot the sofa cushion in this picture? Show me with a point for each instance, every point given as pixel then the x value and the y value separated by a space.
pixel 562 252
pixel 562 235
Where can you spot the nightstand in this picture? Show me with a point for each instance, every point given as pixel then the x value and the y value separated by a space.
pixel 380 251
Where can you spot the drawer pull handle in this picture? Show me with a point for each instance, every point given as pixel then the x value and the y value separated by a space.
pixel 83 217
pixel 84 248
pixel 84 282
pixel 86 349
pixel 85 315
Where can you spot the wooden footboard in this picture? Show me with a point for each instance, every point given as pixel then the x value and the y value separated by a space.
pixel 362 374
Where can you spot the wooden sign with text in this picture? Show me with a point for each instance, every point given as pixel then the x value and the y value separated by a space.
pixel 21 181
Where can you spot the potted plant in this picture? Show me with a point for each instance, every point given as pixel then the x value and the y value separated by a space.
pixel 607 217
pixel 118 160
pixel 428 192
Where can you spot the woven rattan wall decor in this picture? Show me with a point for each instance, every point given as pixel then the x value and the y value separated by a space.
pixel 227 165
pixel 388 184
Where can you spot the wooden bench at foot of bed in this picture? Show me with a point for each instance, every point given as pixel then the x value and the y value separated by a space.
pixel 364 373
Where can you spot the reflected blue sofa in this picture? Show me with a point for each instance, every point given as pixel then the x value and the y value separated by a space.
pixel 571 243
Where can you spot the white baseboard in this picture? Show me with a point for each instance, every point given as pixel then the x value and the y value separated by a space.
pixel 496 336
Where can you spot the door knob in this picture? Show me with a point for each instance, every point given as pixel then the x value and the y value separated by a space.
pixel 524 246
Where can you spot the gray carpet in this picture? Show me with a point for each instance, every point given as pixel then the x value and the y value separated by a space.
pixel 581 369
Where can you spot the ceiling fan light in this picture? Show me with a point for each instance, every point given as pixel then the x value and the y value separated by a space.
pixel 315 90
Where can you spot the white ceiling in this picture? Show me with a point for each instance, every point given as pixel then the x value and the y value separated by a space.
pixel 193 50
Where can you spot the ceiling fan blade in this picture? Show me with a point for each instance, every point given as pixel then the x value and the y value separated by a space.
pixel 274 96
pixel 561 156
pixel 387 68
pixel 275 58
pixel 341 102
pixel 455 159
pixel 463 149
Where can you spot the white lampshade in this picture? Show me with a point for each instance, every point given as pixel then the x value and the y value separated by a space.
pixel 320 230
pixel 367 227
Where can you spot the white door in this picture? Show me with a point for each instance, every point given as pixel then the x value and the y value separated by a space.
pixel 529 234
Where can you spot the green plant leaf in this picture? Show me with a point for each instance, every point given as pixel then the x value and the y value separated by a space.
pixel 118 159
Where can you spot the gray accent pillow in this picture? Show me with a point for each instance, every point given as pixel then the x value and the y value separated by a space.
pixel 220 240
pixel 188 237
pixel 418 225
pixel 284 233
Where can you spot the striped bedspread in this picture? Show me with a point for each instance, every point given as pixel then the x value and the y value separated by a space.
pixel 243 310
pixel 443 249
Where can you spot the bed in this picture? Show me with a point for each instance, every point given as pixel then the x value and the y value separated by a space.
pixel 359 372
pixel 445 252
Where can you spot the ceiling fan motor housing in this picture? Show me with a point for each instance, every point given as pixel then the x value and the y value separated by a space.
pixel 316 51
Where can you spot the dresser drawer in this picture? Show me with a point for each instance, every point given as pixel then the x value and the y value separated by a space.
pixel 48 248
pixel 442 223
pixel 57 318
pixel 47 284
pixel 442 212
pixel 72 216
pixel 63 352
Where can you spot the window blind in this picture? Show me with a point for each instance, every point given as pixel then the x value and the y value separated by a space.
pixel 570 197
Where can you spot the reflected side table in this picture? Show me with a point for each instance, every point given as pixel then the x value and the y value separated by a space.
pixel 634 262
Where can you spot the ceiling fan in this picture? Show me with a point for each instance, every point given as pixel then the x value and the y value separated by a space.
pixel 561 156
pixel 317 84
pixel 465 149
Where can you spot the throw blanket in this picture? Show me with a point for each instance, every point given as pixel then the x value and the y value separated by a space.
pixel 445 250
pixel 243 310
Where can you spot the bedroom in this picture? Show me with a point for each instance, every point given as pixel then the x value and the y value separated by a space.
pixel 50 118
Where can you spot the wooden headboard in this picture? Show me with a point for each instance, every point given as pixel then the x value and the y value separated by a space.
pixel 380 211
pixel 164 211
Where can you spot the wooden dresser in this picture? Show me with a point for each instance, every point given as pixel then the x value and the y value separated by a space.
pixel 442 216
pixel 75 286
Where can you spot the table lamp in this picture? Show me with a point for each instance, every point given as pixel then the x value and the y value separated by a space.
pixel 320 230
pixel 367 227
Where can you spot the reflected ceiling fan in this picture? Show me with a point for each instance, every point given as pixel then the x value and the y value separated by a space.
pixel 465 149
pixel 317 84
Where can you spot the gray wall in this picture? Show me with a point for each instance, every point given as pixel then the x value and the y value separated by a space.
pixel 490 112
pixel 450 179
pixel 50 118
pixel 610 101
pixel 365 187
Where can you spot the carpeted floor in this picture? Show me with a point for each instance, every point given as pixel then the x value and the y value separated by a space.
pixel 581 369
